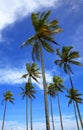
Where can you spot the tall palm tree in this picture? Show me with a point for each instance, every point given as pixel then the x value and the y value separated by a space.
pixel 8 97
pixel 67 58
pixel 58 85
pixel 53 89
pixel 28 92
pixel 74 96
pixel 32 73
pixel 51 92
pixel 44 36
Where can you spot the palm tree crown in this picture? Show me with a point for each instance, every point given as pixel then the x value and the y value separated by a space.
pixel 28 91
pixel 73 95
pixel 58 83
pixel 67 57
pixel 8 96
pixel 32 71
pixel 44 33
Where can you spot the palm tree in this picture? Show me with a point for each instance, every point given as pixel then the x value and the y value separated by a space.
pixel 28 92
pixel 67 57
pixel 44 36
pixel 32 73
pixel 74 96
pixel 53 89
pixel 58 85
pixel 51 92
pixel 8 97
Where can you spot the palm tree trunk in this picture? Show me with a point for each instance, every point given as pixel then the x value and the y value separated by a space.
pixel 60 112
pixel 76 116
pixel 31 124
pixel 4 115
pixel 52 113
pixel 79 115
pixel 71 81
pixel 26 113
pixel 45 90
pixel 31 113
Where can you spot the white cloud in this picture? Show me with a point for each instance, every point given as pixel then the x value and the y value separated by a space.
pixel 12 10
pixel 13 76
pixel 68 122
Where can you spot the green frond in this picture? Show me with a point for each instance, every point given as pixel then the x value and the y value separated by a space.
pixel 47 46
pixel 36 52
pixel 24 75
pixel 53 24
pixel 66 50
pixel 76 63
pixel 58 30
pixel 45 16
pixel 35 79
pixel 58 53
pixel 70 102
pixel 74 54
pixel 59 63
pixel 29 41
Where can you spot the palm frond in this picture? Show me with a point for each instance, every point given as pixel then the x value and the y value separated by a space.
pixel 58 53
pixel 36 52
pixel 76 63
pixel 24 75
pixel 47 46
pixel 46 15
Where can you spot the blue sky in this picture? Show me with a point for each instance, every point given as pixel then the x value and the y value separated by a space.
pixel 15 28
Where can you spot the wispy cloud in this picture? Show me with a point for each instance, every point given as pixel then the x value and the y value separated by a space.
pixel 68 122
pixel 10 75
pixel 10 11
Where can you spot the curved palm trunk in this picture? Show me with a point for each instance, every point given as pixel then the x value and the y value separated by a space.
pixel 71 81
pixel 60 112
pixel 79 115
pixel 4 115
pixel 31 113
pixel 26 113
pixel 76 116
pixel 52 113
pixel 45 90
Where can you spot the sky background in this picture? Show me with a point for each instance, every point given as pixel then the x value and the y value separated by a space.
pixel 15 28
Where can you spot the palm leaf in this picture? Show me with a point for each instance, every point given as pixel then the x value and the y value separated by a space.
pixel 74 54
pixel 29 41
pixel 35 79
pixel 58 53
pixel 35 52
pixel 24 75
pixel 47 46
pixel 46 15
pixel 76 63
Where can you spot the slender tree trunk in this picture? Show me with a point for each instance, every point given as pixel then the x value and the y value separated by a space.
pixel 76 116
pixel 73 102
pixel 31 113
pixel 4 115
pixel 31 124
pixel 26 113
pixel 79 115
pixel 52 113
pixel 60 112
pixel 45 90
pixel 71 81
